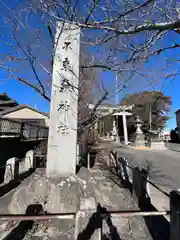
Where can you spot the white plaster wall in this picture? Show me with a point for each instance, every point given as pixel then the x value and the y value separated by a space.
pixel 27 113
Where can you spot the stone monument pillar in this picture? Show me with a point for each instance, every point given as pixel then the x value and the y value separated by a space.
pixel 139 136
pixel 62 141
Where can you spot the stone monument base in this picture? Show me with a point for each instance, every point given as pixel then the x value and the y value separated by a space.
pixel 139 140
pixel 64 194
pixel 80 194
pixel 55 195
pixel 158 145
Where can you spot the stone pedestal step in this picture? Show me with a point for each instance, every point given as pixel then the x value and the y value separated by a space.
pixel 80 194
pixel 39 230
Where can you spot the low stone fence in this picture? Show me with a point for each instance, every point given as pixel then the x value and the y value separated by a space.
pixel 15 167
pixel 141 188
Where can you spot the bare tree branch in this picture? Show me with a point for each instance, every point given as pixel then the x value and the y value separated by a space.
pixel 33 87
pixel 146 27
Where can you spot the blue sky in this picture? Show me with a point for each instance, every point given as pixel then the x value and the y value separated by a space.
pixel 15 89
pixel 25 95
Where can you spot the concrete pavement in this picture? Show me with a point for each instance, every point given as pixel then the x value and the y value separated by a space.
pixel 163 166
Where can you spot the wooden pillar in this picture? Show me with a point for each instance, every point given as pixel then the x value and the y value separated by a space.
pixel 136 183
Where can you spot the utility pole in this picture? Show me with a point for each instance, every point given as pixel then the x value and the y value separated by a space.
pixel 116 89
pixel 117 132
pixel 150 118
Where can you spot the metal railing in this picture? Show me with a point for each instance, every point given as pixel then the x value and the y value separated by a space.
pixel 10 127
pixel 70 215
pixel 97 216
pixel 24 130
pixel 143 177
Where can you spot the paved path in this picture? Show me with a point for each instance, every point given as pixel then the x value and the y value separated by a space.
pixel 164 166
pixel 173 146
pixel 164 170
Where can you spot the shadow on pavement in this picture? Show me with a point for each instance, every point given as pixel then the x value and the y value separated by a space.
pixel 20 231
pixel 95 222
pixel 158 226
pixel 14 183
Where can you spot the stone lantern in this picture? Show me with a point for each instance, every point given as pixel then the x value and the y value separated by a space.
pixel 139 136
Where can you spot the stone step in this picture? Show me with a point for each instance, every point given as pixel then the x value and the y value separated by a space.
pixel 91 188
pixel 6 228
pixel 39 230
